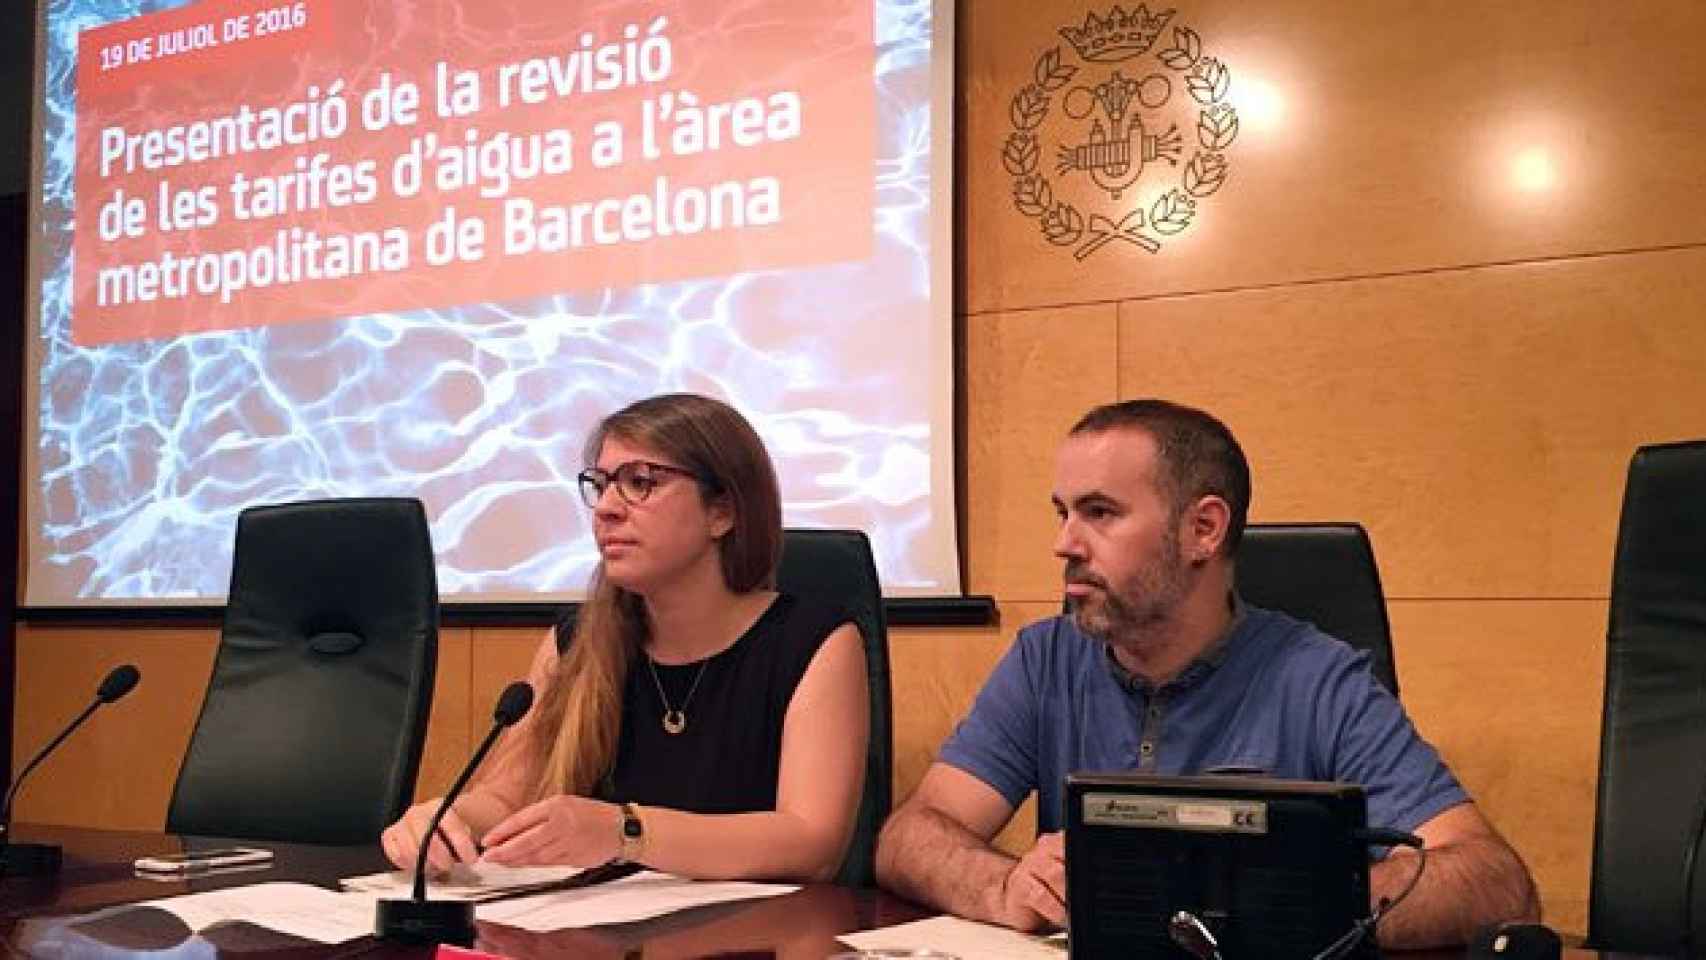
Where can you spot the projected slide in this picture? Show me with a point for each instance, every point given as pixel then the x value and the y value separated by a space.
pixel 314 248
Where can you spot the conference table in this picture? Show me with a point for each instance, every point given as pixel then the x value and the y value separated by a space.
pixel 87 910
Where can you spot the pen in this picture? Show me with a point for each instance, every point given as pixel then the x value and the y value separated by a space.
pixel 445 838
pixel 603 873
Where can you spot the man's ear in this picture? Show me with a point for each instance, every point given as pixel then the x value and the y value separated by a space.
pixel 1205 526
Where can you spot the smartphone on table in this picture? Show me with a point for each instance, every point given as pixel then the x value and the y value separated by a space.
pixel 195 861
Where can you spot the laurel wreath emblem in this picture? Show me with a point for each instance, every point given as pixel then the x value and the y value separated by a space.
pixel 1207 81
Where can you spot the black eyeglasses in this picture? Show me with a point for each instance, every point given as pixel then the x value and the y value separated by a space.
pixel 635 480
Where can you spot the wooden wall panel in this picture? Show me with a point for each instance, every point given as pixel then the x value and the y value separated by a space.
pixel 1479 422
pixel 1030 375
pixel 1400 331
pixel 1510 693
pixel 1374 138
pixel 502 655
pixel 448 741
pixel 118 771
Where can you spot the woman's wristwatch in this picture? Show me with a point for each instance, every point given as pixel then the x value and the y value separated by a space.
pixel 631 835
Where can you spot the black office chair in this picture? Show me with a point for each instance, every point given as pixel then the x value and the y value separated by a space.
pixel 314 718
pixel 1647 895
pixel 837 566
pixel 1324 573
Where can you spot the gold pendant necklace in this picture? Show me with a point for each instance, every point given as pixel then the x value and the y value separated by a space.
pixel 674 718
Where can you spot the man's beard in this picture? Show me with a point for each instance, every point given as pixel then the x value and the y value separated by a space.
pixel 1130 612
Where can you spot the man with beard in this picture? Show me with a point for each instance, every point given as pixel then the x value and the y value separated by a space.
pixel 1161 668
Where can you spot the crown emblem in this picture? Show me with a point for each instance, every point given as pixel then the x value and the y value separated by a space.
pixel 1119 36
pixel 1130 138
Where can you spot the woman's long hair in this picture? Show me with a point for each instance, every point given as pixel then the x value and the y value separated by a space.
pixel 580 715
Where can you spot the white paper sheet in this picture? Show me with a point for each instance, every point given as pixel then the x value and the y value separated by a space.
pixel 463 882
pixel 299 909
pixel 638 897
pixel 966 939
pixel 321 915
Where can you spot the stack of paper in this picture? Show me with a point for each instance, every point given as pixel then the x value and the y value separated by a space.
pixel 464 882
pixel 322 915
pixel 639 897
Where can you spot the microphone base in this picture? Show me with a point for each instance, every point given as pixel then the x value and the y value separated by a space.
pixel 30 859
pixel 425 921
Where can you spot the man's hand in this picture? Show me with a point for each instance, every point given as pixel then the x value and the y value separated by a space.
pixel 562 830
pixel 1034 894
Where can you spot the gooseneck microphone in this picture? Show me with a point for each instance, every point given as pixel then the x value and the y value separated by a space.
pixel 419 920
pixel 38 858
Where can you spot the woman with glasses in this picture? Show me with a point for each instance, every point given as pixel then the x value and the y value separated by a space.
pixel 696 721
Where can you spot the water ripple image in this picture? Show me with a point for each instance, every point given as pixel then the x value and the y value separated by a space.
pixel 146 449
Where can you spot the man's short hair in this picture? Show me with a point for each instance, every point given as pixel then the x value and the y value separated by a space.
pixel 1197 455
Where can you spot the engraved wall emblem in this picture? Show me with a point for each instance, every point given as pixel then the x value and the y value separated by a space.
pixel 1123 124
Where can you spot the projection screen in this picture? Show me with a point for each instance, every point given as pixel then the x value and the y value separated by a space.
pixel 301 249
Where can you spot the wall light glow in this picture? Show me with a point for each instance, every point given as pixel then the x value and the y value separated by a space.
pixel 1533 170
pixel 1261 107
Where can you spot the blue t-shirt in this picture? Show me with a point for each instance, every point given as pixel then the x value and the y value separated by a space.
pixel 1275 697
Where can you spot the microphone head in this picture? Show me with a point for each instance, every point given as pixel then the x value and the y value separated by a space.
pixel 513 704
pixel 1185 930
pixel 119 682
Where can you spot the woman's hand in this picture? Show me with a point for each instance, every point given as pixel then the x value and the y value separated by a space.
pixel 402 840
pixel 562 830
